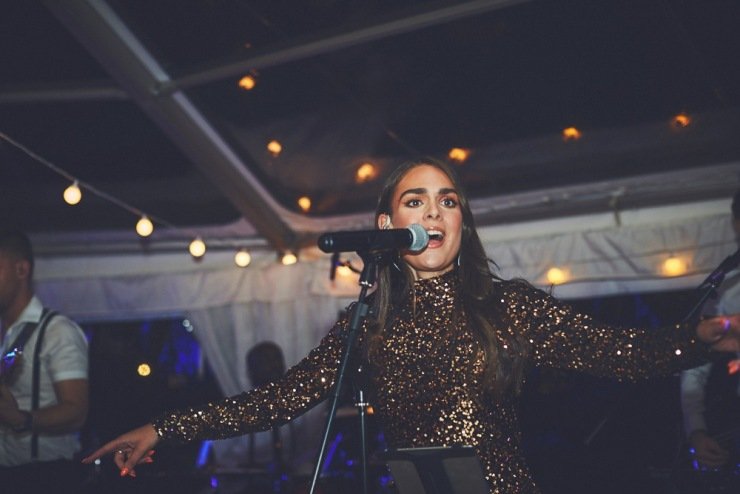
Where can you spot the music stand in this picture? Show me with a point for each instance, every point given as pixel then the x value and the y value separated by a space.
pixel 436 470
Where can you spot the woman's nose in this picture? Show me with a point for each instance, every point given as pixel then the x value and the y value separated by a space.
pixel 432 211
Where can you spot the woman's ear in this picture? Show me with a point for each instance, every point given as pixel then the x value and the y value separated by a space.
pixel 384 221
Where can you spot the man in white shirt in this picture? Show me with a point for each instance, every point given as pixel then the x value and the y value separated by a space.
pixel 697 384
pixel 37 443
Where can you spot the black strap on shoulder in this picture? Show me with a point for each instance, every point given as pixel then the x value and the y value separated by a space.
pixel 25 334
pixel 45 318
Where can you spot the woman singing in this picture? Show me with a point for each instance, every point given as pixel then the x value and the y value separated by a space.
pixel 449 348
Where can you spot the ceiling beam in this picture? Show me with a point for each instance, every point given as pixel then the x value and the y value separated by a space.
pixel 269 57
pixel 423 17
pixel 137 71
pixel 62 92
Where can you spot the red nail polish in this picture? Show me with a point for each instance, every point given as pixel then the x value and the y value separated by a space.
pixel 124 472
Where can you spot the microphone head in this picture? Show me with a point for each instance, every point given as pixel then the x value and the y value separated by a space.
pixel 419 236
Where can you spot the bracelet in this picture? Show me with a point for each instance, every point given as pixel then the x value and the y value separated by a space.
pixel 27 424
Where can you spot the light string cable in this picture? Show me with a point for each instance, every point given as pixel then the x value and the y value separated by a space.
pixel 103 195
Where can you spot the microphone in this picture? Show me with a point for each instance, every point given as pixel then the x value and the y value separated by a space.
pixel 414 238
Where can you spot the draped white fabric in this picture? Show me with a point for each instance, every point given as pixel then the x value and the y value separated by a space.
pixel 232 309
pixel 226 334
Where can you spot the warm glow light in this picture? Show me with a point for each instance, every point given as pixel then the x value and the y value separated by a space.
pixel 247 82
pixel 304 203
pixel 557 276
pixel 289 258
pixel 674 266
pixel 73 194
pixel 242 258
pixel 144 227
pixel 274 147
pixel 459 154
pixel 144 369
pixel 571 134
pixel 365 173
pixel 344 271
pixel 681 121
pixel 197 248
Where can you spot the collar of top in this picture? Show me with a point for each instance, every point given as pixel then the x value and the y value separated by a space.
pixel 442 287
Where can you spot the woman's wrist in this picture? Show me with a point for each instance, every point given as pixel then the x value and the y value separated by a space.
pixel 710 329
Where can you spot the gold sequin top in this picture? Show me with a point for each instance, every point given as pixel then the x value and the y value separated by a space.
pixel 425 394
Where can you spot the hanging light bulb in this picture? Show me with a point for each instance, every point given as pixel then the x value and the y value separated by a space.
pixel 242 258
pixel 144 227
pixel 557 276
pixel 304 203
pixel 73 194
pixel 247 82
pixel 681 121
pixel 197 248
pixel 571 134
pixel 274 147
pixel 458 155
pixel 289 258
pixel 144 369
pixel 365 173
pixel 674 266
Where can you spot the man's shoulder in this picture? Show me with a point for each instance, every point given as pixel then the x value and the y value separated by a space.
pixel 63 329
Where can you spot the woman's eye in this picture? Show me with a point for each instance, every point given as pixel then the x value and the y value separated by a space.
pixel 413 203
pixel 449 202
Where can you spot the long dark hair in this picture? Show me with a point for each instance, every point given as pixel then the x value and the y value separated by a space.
pixel 504 366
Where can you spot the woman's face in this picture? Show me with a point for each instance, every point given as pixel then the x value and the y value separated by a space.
pixel 426 195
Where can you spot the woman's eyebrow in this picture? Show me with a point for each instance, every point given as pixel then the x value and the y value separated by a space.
pixel 420 190
pixel 423 190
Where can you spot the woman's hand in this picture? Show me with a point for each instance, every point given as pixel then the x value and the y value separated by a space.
pixel 129 449
pixel 722 333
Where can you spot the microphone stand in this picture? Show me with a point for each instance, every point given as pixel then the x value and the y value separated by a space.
pixel 360 309
pixel 709 286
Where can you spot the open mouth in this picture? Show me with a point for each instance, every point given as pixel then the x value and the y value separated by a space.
pixel 436 236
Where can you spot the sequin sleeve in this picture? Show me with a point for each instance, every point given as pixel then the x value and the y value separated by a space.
pixel 563 338
pixel 302 387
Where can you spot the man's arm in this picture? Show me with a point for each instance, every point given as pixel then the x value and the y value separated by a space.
pixel 67 415
pixel 693 382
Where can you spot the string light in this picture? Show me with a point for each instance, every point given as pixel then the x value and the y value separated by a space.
pixel 288 259
pixel 144 227
pixel 242 258
pixel 304 203
pixel 247 82
pixel 674 266
pixel 571 134
pixel 459 155
pixel 365 173
pixel 681 121
pixel 197 248
pixel 274 147
pixel 73 194
pixel 144 369
pixel 557 276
